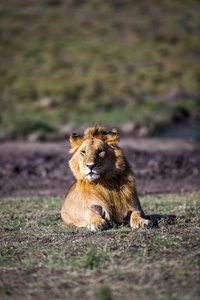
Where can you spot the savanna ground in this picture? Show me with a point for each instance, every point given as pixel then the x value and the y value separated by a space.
pixel 41 258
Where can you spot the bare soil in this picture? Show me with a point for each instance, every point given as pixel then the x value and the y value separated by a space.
pixel 41 169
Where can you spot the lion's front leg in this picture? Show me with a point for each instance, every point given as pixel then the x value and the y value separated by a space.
pixel 137 221
pixel 94 221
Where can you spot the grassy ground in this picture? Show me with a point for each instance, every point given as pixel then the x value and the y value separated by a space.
pixel 40 258
pixel 96 61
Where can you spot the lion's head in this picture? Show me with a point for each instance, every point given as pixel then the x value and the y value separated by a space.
pixel 96 154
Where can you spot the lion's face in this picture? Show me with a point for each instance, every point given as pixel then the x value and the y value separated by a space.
pixel 94 159
pixel 95 155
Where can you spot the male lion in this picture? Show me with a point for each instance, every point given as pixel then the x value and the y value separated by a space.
pixel 105 189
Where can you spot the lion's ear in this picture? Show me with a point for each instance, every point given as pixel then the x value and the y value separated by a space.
pixel 112 136
pixel 75 140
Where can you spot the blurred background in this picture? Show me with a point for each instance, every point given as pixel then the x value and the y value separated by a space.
pixel 133 65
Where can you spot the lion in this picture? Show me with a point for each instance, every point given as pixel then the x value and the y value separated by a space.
pixel 105 189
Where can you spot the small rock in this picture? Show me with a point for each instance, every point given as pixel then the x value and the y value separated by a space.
pixel 34 137
pixel 128 127
pixel 66 130
pixel 46 102
pixel 143 131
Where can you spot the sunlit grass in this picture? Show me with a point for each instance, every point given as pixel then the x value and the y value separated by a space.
pixel 39 252
pixel 84 55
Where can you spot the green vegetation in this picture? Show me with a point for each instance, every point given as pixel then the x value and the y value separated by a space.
pixel 96 61
pixel 40 257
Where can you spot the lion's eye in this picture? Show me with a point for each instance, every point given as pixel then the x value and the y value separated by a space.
pixel 83 152
pixel 100 152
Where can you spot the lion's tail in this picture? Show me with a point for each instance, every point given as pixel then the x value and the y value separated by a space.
pixel 168 219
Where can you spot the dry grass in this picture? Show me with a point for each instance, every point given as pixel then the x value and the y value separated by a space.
pixel 41 258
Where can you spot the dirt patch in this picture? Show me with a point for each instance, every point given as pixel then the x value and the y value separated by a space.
pixel 41 169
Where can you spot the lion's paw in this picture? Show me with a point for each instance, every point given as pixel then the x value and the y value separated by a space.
pixel 147 224
pixel 142 223
pixel 101 225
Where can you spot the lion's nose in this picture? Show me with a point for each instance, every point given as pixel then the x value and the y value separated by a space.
pixel 91 166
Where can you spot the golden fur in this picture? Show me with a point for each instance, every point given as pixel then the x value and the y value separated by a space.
pixel 105 189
